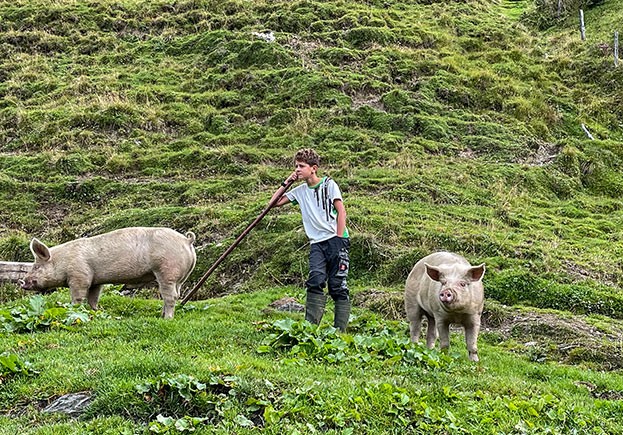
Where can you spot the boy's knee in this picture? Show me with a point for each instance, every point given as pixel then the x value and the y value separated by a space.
pixel 338 289
pixel 316 283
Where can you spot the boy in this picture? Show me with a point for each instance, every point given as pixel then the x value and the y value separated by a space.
pixel 324 220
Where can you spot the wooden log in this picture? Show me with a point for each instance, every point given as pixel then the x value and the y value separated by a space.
pixel 13 271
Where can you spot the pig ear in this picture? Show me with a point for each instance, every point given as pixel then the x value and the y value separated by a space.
pixel 433 272
pixel 39 250
pixel 477 272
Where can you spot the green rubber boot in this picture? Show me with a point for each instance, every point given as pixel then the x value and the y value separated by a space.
pixel 314 307
pixel 342 313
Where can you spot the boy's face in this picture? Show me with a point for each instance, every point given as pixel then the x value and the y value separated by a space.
pixel 304 171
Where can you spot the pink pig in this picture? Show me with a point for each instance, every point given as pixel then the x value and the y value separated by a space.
pixel 136 255
pixel 446 289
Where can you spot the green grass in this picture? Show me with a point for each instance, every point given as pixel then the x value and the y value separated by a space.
pixel 449 125
pixel 128 345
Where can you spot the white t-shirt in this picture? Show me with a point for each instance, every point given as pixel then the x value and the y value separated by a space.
pixel 319 214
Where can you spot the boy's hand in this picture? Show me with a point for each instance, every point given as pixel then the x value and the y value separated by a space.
pixel 293 177
pixel 345 242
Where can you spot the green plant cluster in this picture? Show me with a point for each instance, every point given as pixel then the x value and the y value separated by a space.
pixel 38 315
pixel 171 425
pixel 379 406
pixel 178 396
pixel 11 365
pixel 308 407
pixel 535 414
pixel 306 341
pixel 368 409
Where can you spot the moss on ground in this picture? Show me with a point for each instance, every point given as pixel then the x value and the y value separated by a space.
pixel 460 133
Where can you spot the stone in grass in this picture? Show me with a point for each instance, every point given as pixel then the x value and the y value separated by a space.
pixel 287 304
pixel 71 404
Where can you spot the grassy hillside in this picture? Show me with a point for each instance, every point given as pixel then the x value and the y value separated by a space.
pixel 449 125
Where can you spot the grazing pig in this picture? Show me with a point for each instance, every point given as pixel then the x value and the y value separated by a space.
pixel 446 289
pixel 126 256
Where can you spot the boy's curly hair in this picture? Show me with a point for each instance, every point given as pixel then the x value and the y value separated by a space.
pixel 308 156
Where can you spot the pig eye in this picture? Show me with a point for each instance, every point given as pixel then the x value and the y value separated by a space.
pixel 462 283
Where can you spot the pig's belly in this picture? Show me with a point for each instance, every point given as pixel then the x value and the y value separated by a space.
pixel 124 278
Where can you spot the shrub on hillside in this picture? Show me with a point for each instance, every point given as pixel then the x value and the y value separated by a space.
pixel 545 13
pixel 522 286
pixel 15 247
pixel 601 170
pixel 362 37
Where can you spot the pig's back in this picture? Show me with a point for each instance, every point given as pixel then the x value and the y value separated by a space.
pixel 435 259
pixel 439 258
pixel 138 242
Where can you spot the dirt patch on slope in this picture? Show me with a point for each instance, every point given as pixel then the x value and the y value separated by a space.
pixel 562 337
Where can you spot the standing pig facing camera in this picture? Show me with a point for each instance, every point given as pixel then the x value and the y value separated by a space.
pixel 138 255
pixel 446 289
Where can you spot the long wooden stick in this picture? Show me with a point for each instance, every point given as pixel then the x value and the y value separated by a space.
pixel 270 205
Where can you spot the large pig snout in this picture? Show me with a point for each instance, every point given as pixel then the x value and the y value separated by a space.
pixel 446 296
pixel 26 284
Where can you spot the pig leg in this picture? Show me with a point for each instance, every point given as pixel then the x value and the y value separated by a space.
pixel 443 328
pixel 93 296
pixel 431 332
pixel 471 338
pixel 415 323
pixel 79 287
pixel 168 291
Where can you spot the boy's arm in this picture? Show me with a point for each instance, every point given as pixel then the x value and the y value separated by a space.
pixel 284 199
pixel 341 217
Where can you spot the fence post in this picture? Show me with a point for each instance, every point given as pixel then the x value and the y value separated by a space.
pixel 616 48
pixel 582 28
pixel 559 11
pixel 588 133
